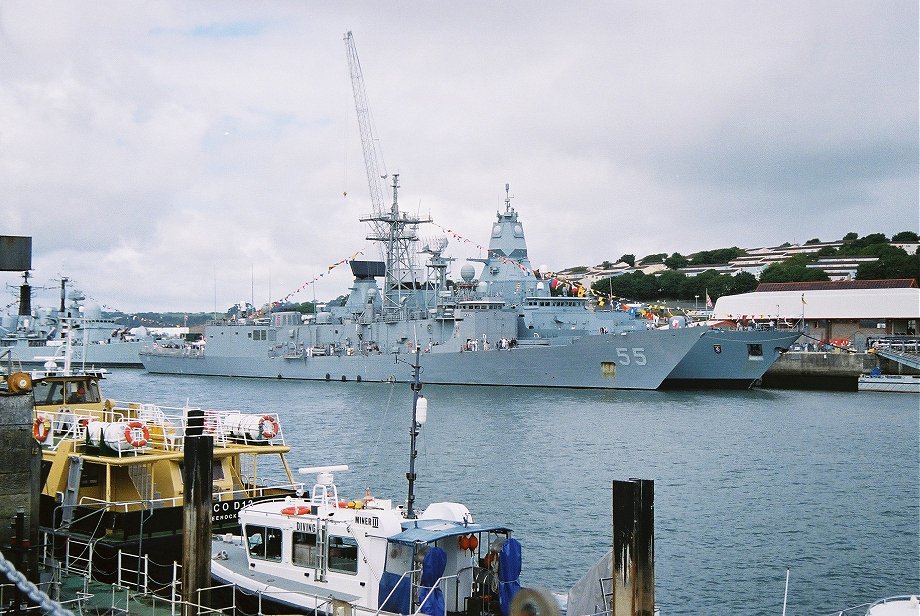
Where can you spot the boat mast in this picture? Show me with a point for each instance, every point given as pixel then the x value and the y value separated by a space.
pixel 419 415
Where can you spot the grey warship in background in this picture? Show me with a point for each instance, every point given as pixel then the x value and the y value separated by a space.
pixel 32 337
pixel 503 328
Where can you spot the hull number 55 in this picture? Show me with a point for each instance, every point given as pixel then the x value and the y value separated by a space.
pixel 634 355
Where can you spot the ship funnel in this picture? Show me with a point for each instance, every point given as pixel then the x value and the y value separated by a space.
pixel 25 300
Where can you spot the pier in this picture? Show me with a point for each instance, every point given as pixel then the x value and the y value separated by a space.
pixel 840 369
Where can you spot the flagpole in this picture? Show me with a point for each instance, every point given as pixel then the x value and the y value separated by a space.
pixel 802 322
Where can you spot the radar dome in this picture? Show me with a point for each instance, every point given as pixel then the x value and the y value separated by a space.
pixel 483 287
pixel 92 312
pixel 467 272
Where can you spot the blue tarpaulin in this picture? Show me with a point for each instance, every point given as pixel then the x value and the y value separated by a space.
pixel 393 593
pixel 432 570
pixel 509 570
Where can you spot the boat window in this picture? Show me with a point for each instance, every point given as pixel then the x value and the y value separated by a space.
pixel 755 352
pixel 343 554
pixel 264 542
pixel 47 392
pixel 75 392
pixel 92 392
pixel 399 558
pixel 304 549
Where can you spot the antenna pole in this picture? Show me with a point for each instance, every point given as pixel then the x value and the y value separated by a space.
pixel 413 434
pixel 786 594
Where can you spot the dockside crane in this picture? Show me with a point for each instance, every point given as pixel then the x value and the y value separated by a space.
pixel 376 173
pixel 395 231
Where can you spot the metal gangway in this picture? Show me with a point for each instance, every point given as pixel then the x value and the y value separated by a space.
pixel 904 350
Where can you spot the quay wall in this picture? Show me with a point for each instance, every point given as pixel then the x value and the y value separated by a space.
pixel 20 466
pixel 835 370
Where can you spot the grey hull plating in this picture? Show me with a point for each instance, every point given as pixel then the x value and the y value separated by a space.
pixel 634 360
pixel 726 358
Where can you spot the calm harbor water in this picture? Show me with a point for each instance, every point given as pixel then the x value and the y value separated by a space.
pixel 747 483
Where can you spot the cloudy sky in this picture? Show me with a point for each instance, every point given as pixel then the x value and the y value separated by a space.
pixel 177 156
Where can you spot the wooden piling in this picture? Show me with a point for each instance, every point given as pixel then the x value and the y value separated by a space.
pixel 633 575
pixel 196 518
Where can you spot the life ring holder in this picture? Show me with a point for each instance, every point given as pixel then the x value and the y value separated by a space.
pixel 137 434
pixel 268 427
pixel 298 510
pixel 41 428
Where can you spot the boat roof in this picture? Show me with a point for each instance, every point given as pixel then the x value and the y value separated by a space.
pixel 428 531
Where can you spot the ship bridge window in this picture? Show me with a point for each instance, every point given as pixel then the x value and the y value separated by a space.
pixel 258 334
pixel 264 542
pixel 343 554
pixel 303 552
pixel 755 352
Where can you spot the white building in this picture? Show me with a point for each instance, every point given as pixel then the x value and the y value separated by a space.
pixel 838 310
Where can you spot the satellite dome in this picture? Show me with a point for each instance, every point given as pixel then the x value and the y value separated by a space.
pixel 467 272
pixel 92 311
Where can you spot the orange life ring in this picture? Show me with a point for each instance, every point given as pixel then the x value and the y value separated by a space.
pixel 137 434
pixel 295 510
pixel 41 428
pixel 269 427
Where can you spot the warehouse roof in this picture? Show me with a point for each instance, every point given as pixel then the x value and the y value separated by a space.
pixel 833 303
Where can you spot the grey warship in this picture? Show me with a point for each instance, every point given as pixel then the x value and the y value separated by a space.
pixel 502 328
pixel 32 337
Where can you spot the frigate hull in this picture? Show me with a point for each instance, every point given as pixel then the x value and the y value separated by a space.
pixel 629 360
pixel 734 359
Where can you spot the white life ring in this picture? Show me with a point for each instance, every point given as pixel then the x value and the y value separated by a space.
pixel 136 434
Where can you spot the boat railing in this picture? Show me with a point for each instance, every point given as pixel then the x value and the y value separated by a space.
pixel 8 593
pixel 219 496
pixel 160 428
pixel 133 575
pixel 865 608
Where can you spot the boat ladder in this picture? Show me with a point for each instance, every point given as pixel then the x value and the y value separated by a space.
pixel 69 500
pixel 322 549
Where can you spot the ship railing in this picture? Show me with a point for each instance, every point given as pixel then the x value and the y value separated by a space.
pixel 186 350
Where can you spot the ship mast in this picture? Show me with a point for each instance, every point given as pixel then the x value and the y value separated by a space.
pixel 395 231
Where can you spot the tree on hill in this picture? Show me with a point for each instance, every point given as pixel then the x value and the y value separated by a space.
pixel 895 263
pixel 676 261
pixel 716 257
pixel 742 282
pixel 630 259
pixel 852 235
pixel 905 237
pixel 670 283
pixel 813 241
pixel 656 258
pixel 792 270
pixel 873 245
